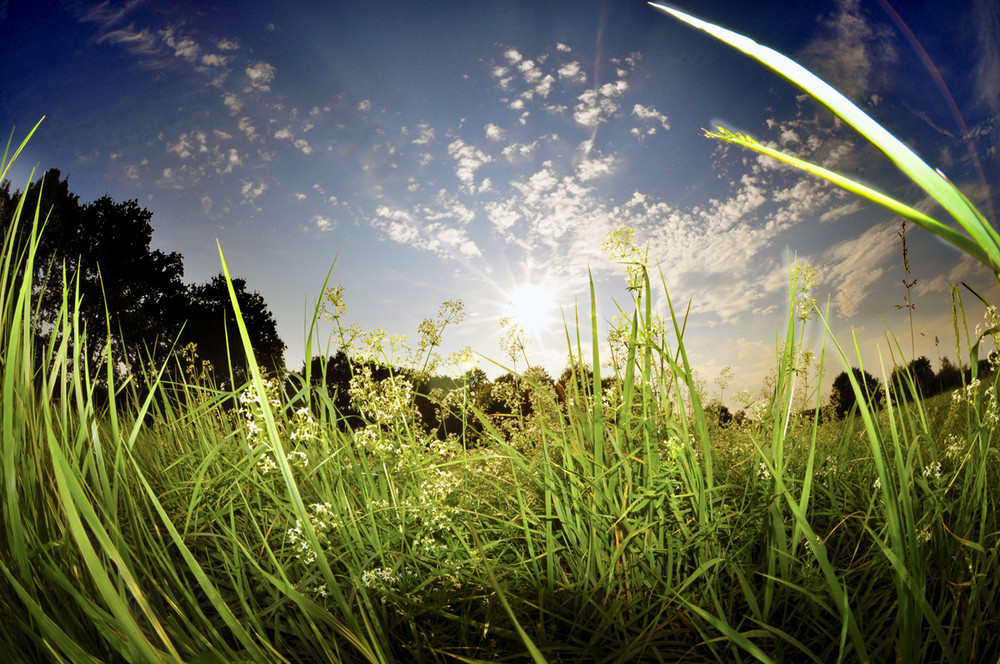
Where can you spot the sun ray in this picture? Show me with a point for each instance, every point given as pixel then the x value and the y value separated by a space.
pixel 534 307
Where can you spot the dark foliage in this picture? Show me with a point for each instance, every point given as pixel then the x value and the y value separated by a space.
pixel 211 324
pixel 717 413
pixel 920 372
pixel 133 300
pixel 842 396
pixel 949 376
pixel 131 295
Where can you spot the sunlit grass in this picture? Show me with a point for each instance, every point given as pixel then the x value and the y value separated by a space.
pixel 611 521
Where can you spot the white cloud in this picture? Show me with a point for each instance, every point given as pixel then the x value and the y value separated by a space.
pixel 365 105
pixel 537 184
pixel 544 86
pixel 182 148
pixel 426 134
pixel 615 89
pixel 232 102
pixel 563 47
pixel 966 269
pixel 403 228
pixel 841 211
pixel 651 114
pixel 213 60
pixel 573 72
pixel 185 48
pixel 588 169
pixel 248 129
pixel 531 72
pixel 142 42
pixel 469 159
pixel 403 234
pixel 227 45
pixel 252 190
pixel 852 266
pixel 503 216
pixel 299 196
pixel 285 134
pixel 850 51
pixel 323 223
pixel 167 179
pixel 493 132
pixel 513 57
pixel 593 109
pixel 261 75
pixel 230 161
pixel 519 150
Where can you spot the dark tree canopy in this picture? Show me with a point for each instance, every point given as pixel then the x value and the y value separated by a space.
pixel 211 324
pixel 130 294
pixel 842 396
pixel 133 298
pixel 949 376
pixel 922 374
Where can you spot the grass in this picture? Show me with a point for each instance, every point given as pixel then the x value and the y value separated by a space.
pixel 618 525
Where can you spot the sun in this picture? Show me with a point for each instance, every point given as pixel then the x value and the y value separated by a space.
pixel 534 308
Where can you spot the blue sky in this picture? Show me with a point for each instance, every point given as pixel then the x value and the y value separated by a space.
pixel 468 150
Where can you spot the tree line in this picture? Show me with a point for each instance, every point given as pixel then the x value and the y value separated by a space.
pixel 133 303
pixel 918 375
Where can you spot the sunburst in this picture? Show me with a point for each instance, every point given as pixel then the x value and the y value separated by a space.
pixel 534 307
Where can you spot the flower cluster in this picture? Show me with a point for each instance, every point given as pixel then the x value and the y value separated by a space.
pixel 383 401
pixel 251 412
pixel 430 503
pixel 323 520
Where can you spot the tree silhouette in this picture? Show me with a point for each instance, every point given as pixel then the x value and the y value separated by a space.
pixel 133 300
pixel 949 376
pixel 211 325
pixel 130 294
pixel 842 396
pixel 921 372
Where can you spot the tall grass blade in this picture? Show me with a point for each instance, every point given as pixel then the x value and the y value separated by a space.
pixel 930 180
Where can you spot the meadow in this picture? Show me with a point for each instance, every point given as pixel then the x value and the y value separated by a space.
pixel 177 522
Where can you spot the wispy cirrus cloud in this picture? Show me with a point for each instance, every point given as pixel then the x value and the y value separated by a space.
pixel 850 51
pixel 852 267
pixel 986 19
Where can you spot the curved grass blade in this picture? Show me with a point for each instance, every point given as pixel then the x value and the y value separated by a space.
pixel 929 179
pixel 943 231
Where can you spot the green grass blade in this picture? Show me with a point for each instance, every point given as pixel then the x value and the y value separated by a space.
pixel 930 180
pixel 924 221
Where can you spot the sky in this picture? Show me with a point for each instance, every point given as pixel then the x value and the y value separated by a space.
pixel 484 151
